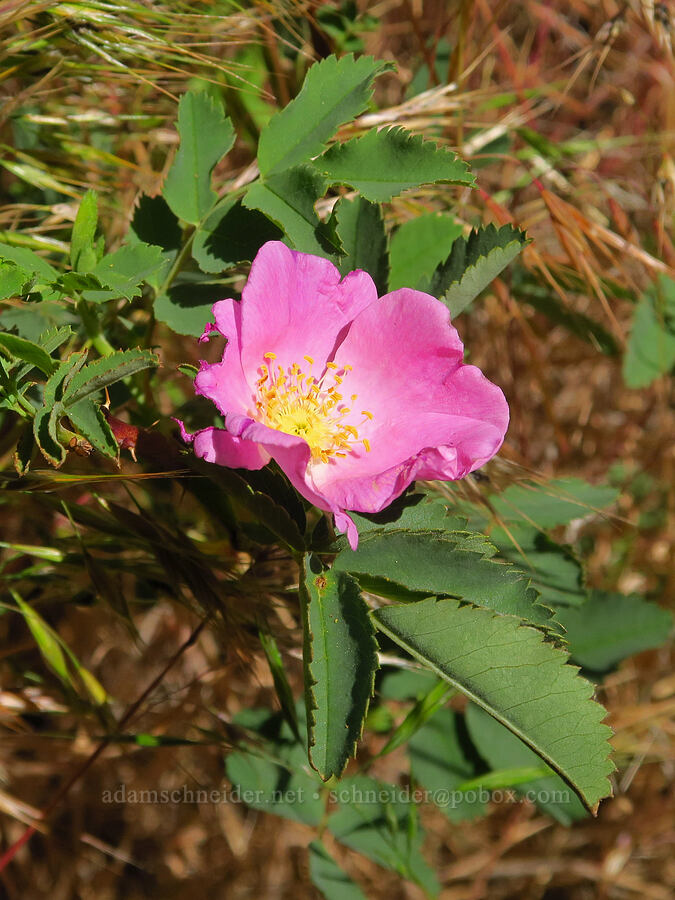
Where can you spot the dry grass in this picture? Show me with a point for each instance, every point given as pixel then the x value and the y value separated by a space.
pixel 570 110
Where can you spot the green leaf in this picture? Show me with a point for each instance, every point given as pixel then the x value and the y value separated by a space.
pixel 24 449
pixel 335 91
pixel 230 235
pixel 501 749
pixel 412 512
pixel 440 762
pixel 423 709
pixel 154 223
pixel 107 370
pixel 340 656
pixel 28 352
pixel 382 164
pixel 453 563
pixel 281 685
pixel 378 820
pixel 13 279
pixel 28 261
pixel 123 272
pixel 273 775
pixel 360 227
pixel 556 502
pixel 206 135
pixel 329 878
pixel 88 420
pixel 418 246
pixel 47 417
pixel 651 345
pixel 556 572
pixel 32 318
pixel 82 249
pixel 47 641
pixel 511 672
pixel 187 305
pixel 44 430
pixel 611 627
pixel 288 200
pixel 473 263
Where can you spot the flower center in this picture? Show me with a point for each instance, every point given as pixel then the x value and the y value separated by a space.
pixel 295 402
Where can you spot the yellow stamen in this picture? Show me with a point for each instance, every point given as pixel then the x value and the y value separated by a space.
pixel 288 400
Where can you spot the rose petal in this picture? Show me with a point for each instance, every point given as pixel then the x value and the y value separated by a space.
pixel 296 305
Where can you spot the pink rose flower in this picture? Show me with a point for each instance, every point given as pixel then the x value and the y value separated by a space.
pixel 353 395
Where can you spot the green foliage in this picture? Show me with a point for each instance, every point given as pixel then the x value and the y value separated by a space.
pixel 486 594
pixel 651 346
pixel 611 627
pixel 418 246
pixel 329 878
pixel 473 263
pixel 441 761
pixel 206 135
pixel 456 564
pixel 382 164
pixel 83 254
pixel 334 92
pixel 360 228
pixel 379 821
pixel 288 199
pixel 512 673
pixel 230 235
pixel 340 663
pixel 500 748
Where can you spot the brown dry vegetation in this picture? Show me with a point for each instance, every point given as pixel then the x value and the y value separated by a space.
pixel 596 83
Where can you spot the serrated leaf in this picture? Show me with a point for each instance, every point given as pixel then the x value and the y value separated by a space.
pixel 340 657
pixel 453 563
pixel 418 246
pixel 82 248
pixel 47 417
pixel 440 762
pixel 610 627
pixel 28 352
pixel 288 199
pixel 329 878
pixel 382 164
pixel 473 263
pixel 12 279
pixel 88 420
pixel 360 227
pixel 501 749
pixel 123 272
pixel 378 820
pixel 651 346
pixel 206 135
pixel 107 370
pixel 511 672
pixel 335 91
pixel 231 234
